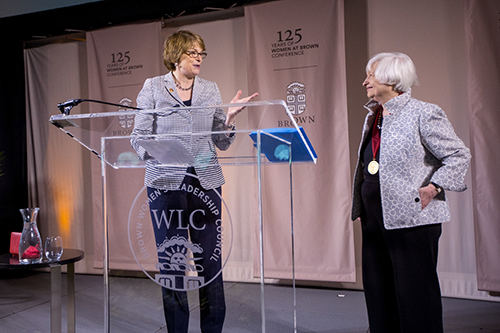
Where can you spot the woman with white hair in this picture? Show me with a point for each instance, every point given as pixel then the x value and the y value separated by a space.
pixel 408 156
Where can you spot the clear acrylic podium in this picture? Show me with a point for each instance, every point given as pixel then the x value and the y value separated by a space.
pixel 108 135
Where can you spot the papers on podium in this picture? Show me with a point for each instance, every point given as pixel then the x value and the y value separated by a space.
pixel 168 151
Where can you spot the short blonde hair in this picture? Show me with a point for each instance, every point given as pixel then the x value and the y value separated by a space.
pixel 177 44
pixel 394 69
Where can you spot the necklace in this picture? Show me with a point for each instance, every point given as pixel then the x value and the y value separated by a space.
pixel 379 120
pixel 373 166
pixel 180 87
pixel 184 89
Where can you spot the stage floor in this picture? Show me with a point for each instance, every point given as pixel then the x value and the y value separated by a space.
pixel 136 307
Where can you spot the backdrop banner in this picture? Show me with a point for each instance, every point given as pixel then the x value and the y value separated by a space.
pixel 119 61
pixel 300 58
pixel 483 47
pixel 56 164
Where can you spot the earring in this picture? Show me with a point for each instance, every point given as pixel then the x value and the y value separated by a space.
pixel 175 65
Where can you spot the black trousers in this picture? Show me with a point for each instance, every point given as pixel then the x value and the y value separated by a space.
pixel 399 272
pixel 201 228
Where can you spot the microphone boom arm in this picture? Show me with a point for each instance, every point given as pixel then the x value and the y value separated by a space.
pixel 66 107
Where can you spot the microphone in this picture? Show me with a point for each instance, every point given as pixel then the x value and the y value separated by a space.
pixel 68 105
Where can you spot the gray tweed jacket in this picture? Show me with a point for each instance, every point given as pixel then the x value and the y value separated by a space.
pixel 160 93
pixel 418 146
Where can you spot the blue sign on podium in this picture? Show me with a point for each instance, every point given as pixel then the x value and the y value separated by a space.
pixel 275 143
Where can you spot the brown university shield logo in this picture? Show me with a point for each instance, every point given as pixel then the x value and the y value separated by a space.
pixel 296 97
pixel 127 121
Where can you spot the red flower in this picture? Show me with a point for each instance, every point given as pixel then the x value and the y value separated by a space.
pixel 31 253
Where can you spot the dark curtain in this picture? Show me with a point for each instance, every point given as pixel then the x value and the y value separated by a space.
pixel 13 175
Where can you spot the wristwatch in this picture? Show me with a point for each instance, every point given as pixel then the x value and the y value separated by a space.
pixel 231 126
pixel 438 188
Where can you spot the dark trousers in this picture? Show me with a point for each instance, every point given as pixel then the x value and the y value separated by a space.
pixel 202 229
pixel 399 272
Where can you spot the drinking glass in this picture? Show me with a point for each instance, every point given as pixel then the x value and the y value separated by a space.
pixel 53 248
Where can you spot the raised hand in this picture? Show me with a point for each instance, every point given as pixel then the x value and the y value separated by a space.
pixel 233 111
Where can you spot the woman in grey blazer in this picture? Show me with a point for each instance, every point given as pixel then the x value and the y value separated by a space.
pixel 408 156
pixel 185 203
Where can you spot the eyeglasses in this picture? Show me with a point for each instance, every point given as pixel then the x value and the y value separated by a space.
pixel 196 54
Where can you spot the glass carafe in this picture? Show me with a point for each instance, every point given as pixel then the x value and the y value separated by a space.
pixel 30 245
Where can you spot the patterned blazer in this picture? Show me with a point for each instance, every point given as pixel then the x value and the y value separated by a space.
pixel 159 93
pixel 418 146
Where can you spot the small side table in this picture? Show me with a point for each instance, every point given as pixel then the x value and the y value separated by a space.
pixel 69 257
